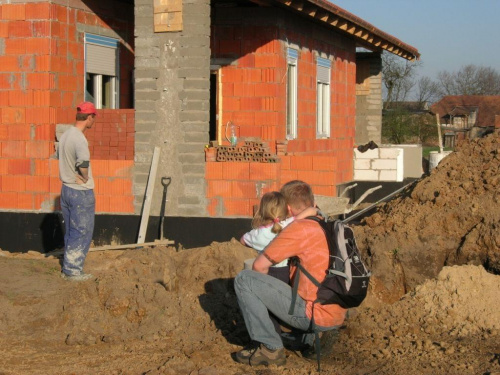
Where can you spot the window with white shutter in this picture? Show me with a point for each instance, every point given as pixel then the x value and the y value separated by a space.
pixel 291 100
pixel 101 71
pixel 323 68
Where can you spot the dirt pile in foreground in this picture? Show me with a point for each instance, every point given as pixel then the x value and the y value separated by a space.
pixel 158 311
pixel 449 325
pixel 162 311
pixel 450 217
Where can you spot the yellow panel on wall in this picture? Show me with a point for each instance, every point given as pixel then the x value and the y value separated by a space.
pixel 164 6
pixel 167 15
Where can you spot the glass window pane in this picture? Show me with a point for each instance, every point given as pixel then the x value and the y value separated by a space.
pixel 89 87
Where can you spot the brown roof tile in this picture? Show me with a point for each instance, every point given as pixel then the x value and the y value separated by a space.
pixel 488 107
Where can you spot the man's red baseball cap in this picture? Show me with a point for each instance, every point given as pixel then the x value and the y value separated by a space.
pixel 86 108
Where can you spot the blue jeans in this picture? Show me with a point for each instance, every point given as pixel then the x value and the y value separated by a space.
pixel 257 294
pixel 78 209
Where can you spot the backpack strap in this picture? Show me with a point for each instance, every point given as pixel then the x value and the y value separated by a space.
pixel 296 262
pixel 312 328
pixel 317 342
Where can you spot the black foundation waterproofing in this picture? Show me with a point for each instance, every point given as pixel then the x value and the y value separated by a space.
pixel 43 232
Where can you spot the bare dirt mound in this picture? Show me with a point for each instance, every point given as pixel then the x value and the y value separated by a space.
pixel 159 311
pixel 162 311
pixel 177 301
pixel 451 217
pixel 449 325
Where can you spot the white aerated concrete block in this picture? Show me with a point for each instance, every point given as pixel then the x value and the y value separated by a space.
pixel 370 154
pixel 362 164
pixel 401 166
pixel 382 164
pixel 366 175
pixel 390 153
pixel 388 175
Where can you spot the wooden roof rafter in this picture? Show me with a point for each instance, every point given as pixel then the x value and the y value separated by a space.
pixel 363 32
pixel 310 10
pixel 298 5
pixel 321 15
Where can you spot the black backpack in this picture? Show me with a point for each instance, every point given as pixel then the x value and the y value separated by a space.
pixel 347 278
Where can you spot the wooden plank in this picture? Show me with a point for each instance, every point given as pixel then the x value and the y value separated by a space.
pixel 118 247
pixel 149 196
pixel 440 140
pixel 166 6
pixel 171 21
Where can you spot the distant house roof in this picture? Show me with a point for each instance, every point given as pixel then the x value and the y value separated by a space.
pixel 487 107
pixel 462 110
pixel 365 34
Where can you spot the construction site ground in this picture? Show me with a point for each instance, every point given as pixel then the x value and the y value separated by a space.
pixel 433 305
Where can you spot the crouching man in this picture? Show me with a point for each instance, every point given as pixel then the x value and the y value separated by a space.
pixel 258 293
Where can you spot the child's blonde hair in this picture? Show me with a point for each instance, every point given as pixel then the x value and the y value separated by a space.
pixel 272 209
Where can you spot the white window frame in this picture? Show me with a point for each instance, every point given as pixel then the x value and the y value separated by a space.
pixel 292 84
pixel 96 72
pixel 323 101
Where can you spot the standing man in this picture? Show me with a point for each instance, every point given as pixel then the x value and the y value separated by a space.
pixel 77 194
pixel 258 293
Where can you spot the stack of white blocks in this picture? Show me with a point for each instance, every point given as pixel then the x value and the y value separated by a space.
pixel 380 164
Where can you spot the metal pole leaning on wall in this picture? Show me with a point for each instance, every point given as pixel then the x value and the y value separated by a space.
pixel 149 196
pixel 357 214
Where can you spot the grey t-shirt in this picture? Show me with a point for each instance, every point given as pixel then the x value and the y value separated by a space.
pixel 73 150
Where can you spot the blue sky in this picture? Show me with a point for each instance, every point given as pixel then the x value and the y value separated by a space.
pixel 449 34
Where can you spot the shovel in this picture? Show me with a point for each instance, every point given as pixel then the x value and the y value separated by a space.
pixel 165 181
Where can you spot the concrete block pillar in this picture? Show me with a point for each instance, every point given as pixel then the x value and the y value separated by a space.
pixel 172 83
pixel 368 98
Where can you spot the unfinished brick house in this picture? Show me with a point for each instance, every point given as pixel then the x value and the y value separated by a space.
pixel 173 75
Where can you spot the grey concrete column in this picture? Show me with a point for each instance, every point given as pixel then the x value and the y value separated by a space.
pixel 369 106
pixel 172 83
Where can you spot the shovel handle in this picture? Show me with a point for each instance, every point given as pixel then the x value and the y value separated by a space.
pixel 165 181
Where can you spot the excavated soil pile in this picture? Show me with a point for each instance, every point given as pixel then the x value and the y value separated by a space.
pixel 451 217
pixel 161 311
pixel 449 325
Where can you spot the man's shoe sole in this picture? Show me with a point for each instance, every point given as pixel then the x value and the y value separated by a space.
pixel 84 277
pixel 280 362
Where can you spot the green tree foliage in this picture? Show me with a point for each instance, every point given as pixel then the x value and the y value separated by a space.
pixel 425 128
pixel 401 126
pixel 396 126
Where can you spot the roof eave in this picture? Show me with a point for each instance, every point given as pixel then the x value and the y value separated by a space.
pixel 365 34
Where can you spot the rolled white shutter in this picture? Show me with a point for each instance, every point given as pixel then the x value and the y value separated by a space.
pixel 101 55
pixel 323 70
pixel 101 60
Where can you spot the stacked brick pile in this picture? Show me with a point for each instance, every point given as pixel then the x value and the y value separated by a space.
pixel 250 151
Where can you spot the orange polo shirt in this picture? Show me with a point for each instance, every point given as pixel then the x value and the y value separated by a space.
pixel 306 240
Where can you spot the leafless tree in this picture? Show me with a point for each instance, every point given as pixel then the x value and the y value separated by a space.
pixel 470 80
pixel 427 91
pixel 398 77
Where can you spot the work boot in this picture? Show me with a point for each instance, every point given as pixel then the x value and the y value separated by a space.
pixel 80 277
pixel 261 355
pixel 309 352
pixel 293 340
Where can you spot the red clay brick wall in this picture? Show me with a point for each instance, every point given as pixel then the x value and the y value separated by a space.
pixel 113 134
pixel 254 98
pixel 41 82
pixel 233 188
